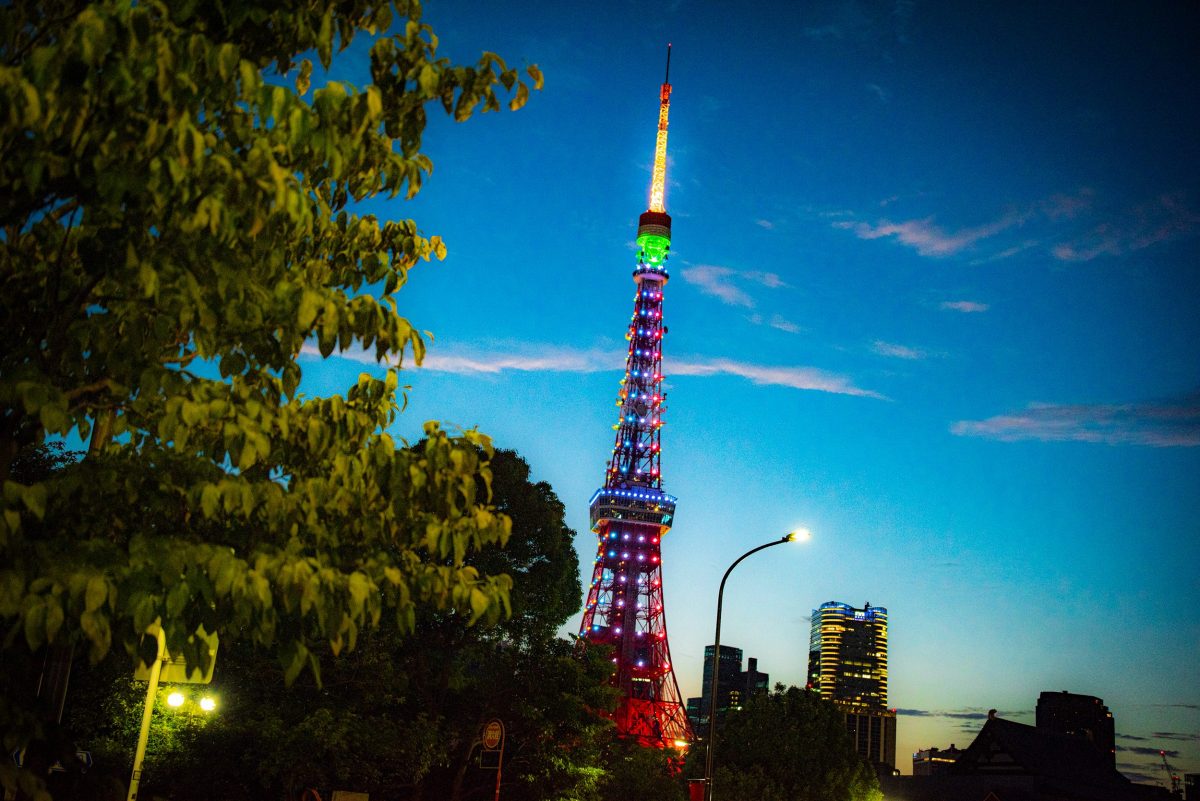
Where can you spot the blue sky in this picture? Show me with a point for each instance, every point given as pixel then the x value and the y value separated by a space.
pixel 934 288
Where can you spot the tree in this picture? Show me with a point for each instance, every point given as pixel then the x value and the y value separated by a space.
pixel 177 217
pixel 398 717
pixel 635 771
pixel 785 745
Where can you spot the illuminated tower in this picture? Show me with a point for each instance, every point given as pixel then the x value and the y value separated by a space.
pixel 631 513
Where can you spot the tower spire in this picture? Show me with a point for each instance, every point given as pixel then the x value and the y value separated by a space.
pixel 658 179
pixel 631 513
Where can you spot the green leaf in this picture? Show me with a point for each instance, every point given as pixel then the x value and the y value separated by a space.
pixel 310 305
pixel 479 603
pixel 34 498
pixel 427 80
pixel 293 658
pixel 536 75
pixel 304 78
pixel 520 98
pixel 210 500
pixel 96 594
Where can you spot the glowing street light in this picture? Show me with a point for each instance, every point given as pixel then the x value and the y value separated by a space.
pixel 175 699
pixel 208 703
pixel 798 535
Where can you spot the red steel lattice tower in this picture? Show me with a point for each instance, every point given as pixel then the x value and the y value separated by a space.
pixel 630 513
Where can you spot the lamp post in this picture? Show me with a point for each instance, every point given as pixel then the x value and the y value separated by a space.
pixel 798 535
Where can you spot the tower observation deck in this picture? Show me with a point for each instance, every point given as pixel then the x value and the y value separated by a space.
pixel 631 513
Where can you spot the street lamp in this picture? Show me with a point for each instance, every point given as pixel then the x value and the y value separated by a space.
pixel 799 535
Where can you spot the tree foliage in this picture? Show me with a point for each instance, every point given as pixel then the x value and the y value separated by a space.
pixel 177 222
pixel 785 745
pixel 399 717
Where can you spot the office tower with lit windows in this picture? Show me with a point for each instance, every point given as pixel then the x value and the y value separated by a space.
pixel 847 664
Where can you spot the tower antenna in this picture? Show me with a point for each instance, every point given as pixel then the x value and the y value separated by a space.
pixel 658 176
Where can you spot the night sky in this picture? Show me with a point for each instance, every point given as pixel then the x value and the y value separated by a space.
pixel 934 295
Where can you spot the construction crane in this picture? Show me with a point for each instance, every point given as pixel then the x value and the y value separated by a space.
pixel 1172 776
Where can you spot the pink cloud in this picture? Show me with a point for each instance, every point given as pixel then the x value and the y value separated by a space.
pixel 1068 206
pixel 897 351
pixel 1163 219
pixel 964 306
pixel 1160 425
pixel 929 239
pixel 794 377
pixel 785 325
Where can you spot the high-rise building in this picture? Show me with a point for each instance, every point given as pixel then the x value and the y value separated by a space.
pixel 847 664
pixel 631 513
pixel 847 654
pixel 1084 716
pixel 734 685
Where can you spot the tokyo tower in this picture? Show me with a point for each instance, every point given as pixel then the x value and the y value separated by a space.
pixel 630 513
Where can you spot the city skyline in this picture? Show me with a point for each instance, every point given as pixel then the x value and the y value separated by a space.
pixel 933 290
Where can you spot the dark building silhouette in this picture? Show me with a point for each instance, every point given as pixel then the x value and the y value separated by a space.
pixel 935 761
pixel 752 680
pixel 847 664
pixel 1083 716
pixel 1010 761
pixel 734 685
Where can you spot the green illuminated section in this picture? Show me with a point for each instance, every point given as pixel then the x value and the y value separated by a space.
pixel 654 248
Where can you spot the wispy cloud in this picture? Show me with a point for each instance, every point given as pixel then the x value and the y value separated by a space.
pixel 1133 772
pixel 1131 737
pixel 1162 425
pixel 769 280
pixel 928 238
pixel 552 359
pixel 964 306
pixel 1067 205
pixel 1174 735
pixel 794 377
pixel 728 284
pixel 541 358
pixel 765 224
pixel 963 714
pixel 779 322
pixel 878 91
pixel 1145 751
pixel 898 351
pixel 1069 226
pixel 720 282
pixel 1165 218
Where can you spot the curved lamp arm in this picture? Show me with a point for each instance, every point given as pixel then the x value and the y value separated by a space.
pixel 799 534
